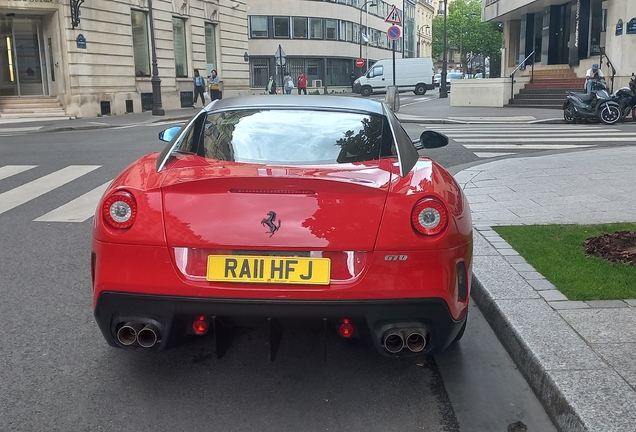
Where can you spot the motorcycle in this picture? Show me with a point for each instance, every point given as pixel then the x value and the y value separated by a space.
pixel 595 106
pixel 626 98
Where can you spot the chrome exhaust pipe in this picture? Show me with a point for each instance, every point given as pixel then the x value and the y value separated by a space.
pixel 416 342
pixel 127 334
pixel 393 341
pixel 148 336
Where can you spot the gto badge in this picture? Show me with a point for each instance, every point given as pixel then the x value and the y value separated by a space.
pixel 270 222
pixel 396 257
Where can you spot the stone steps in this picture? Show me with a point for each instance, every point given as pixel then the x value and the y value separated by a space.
pixel 24 107
pixel 547 92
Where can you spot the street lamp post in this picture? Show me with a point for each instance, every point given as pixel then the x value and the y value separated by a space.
pixel 442 87
pixel 367 29
pixel 157 109
pixel 420 32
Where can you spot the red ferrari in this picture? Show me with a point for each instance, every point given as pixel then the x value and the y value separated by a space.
pixel 274 209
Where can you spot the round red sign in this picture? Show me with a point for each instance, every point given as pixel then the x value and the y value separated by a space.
pixel 360 62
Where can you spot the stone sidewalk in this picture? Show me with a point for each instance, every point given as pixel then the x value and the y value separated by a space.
pixel 579 357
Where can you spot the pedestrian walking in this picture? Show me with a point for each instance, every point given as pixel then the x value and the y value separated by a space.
pixel 199 88
pixel 352 79
pixel 288 83
pixel 271 85
pixel 214 85
pixel 302 83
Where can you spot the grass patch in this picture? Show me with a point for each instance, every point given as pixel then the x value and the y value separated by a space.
pixel 556 251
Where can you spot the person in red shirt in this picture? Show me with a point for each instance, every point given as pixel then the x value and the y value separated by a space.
pixel 302 83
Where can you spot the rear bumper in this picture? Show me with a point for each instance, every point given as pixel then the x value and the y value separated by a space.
pixel 173 315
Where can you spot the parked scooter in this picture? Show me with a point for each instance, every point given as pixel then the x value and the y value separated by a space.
pixel 626 98
pixel 595 106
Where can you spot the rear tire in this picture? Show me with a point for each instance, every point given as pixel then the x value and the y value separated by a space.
pixel 420 89
pixel 568 115
pixel 610 114
pixel 634 113
pixel 366 91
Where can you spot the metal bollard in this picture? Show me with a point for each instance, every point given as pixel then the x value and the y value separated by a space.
pixel 392 98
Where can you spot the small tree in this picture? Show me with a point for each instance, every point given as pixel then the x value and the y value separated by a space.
pixel 466 33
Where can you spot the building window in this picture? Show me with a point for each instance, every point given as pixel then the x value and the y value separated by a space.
pixel 260 72
pixel 316 28
pixel 281 27
pixel 180 50
pixel 210 46
pixel 300 28
pixel 332 29
pixel 349 32
pixel 338 72
pixel 141 52
pixel 258 27
pixel 343 30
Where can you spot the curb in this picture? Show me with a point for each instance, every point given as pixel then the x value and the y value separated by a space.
pixel 554 402
pixel 92 127
pixel 464 122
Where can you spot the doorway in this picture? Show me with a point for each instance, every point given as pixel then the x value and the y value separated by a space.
pixel 23 70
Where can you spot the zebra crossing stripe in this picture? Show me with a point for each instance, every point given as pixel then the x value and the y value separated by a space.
pixel 9 170
pixel 38 187
pixel 78 210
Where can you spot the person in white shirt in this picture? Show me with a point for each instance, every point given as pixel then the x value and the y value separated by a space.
pixel 594 74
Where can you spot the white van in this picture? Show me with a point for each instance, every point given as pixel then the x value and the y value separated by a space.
pixel 411 74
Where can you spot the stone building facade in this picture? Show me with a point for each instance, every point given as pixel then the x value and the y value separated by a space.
pixel 96 57
pixel 575 33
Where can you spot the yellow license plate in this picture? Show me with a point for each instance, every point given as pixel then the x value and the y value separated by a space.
pixel 268 269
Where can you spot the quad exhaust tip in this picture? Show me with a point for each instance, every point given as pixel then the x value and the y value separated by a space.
pixel 395 340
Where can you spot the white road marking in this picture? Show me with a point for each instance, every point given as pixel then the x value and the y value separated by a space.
pixel 491 154
pixel 21 129
pixel 526 146
pixel 9 170
pixel 531 140
pixel 38 187
pixel 78 210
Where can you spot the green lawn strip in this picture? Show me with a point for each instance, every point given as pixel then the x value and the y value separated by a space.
pixel 556 251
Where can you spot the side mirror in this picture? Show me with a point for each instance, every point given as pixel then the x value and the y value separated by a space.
pixel 430 140
pixel 168 134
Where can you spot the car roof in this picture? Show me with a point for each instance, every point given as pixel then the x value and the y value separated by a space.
pixel 336 103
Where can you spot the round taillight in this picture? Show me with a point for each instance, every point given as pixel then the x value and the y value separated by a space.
pixel 429 216
pixel 120 210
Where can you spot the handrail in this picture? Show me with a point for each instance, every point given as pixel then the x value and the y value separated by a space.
pixel 609 63
pixel 512 75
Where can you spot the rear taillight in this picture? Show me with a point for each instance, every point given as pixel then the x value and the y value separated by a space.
pixel 429 216
pixel 120 210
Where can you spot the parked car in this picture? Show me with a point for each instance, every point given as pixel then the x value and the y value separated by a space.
pixel 283 210
pixel 411 74
pixel 438 79
pixel 452 76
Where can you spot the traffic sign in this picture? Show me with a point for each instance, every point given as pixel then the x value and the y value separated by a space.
pixel 394 16
pixel 280 56
pixel 360 62
pixel 394 32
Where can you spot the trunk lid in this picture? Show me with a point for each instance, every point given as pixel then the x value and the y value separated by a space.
pixel 226 205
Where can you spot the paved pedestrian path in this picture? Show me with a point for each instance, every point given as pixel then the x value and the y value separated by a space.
pixel 579 357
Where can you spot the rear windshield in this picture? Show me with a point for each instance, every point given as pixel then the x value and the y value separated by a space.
pixel 293 137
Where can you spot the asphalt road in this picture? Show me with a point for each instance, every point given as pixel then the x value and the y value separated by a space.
pixel 59 374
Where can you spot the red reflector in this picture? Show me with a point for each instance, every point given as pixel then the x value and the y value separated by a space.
pixel 345 329
pixel 200 325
